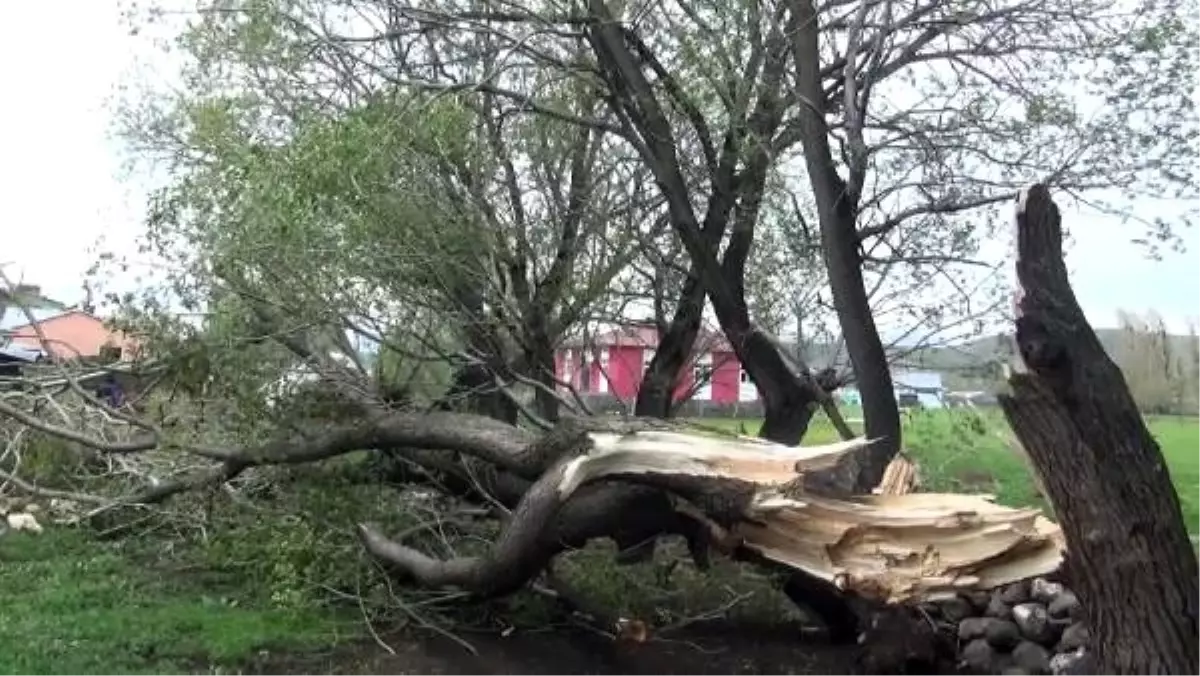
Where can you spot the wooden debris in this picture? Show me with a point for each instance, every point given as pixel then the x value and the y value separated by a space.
pixel 900 477
pixel 893 546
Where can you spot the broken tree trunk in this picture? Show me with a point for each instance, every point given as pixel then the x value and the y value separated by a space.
pixel 1130 561
pixel 765 502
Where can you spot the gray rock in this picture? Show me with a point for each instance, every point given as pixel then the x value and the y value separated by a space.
pixel 956 609
pixel 1002 663
pixel 978 600
pixel 1017 592
pixel 978 657
pixel 1065 605
pixel 973 628
pixel 1074 637
pixel 1044 591
pixel 1075 662
pixel 1002 634
pixel 1014 671
pixel 998 608
pixel 1085 665
pixel 1032 657
pixel 1034 622
pixel 931 609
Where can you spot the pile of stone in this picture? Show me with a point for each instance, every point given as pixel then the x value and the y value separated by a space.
pixel 1029 627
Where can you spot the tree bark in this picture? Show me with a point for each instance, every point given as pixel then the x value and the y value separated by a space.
pixel 881 413
pixel 1129 556
pixel 543 524
pixel 473 390
pixel 837 210
pixel 473 386
pixel 788 404
pixel 539 358
pixel 656 393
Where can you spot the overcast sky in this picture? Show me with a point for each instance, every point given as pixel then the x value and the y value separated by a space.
pixel 63 189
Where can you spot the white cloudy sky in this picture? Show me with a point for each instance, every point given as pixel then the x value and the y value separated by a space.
pixel 63 62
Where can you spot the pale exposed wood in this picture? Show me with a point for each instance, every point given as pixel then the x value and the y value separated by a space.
pixel 904 547
pixel 899 478
pixel 894 546
pixel 675 453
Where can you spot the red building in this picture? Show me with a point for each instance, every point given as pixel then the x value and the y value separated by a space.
pixel 613 363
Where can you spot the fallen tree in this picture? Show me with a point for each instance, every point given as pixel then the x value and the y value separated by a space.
pixel 764 502
pixel 633 481
pixel 847 557
pixel 795 510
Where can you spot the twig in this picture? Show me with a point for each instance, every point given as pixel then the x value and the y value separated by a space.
pixel 711 614
pixel 420 619
pixel 36 490
pixel 71 381
pixel 362 607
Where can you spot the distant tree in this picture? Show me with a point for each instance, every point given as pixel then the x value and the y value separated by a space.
pixel 1193 354
pixel 1161 377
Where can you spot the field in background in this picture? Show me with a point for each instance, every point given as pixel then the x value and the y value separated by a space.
pixel 965 450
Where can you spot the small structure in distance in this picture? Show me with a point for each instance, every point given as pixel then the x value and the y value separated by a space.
pixel 70 334
pixel 613 362
pixel 913 389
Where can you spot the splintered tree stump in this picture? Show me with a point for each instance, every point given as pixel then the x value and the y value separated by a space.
pixel 1129 557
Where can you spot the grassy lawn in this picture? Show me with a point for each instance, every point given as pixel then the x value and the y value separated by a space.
pixel 968 452
pixel 73 605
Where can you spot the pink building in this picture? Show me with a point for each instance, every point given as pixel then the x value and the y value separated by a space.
pixel 72 334
pixel 613 363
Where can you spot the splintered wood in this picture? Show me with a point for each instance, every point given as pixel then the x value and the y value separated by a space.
pixel 893 546
pixel 900 477
pixel 902 547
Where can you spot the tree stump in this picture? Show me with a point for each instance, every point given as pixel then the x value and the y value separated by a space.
pixel 1129 557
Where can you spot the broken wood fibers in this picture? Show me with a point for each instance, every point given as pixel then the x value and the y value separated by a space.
pixel 891 546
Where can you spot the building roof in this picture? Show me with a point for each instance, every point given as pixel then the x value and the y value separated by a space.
pixel 11 353
pixel 918 380
pixel 644 334
pixel 14 319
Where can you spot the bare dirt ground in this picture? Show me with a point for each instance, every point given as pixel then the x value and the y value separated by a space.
pixel 713 648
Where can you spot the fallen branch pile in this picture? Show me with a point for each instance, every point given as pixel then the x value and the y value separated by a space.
pixel 757 500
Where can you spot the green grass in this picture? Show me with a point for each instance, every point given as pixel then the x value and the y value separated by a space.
pixel 73 605
pixel 964 451
pixel 1179 438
